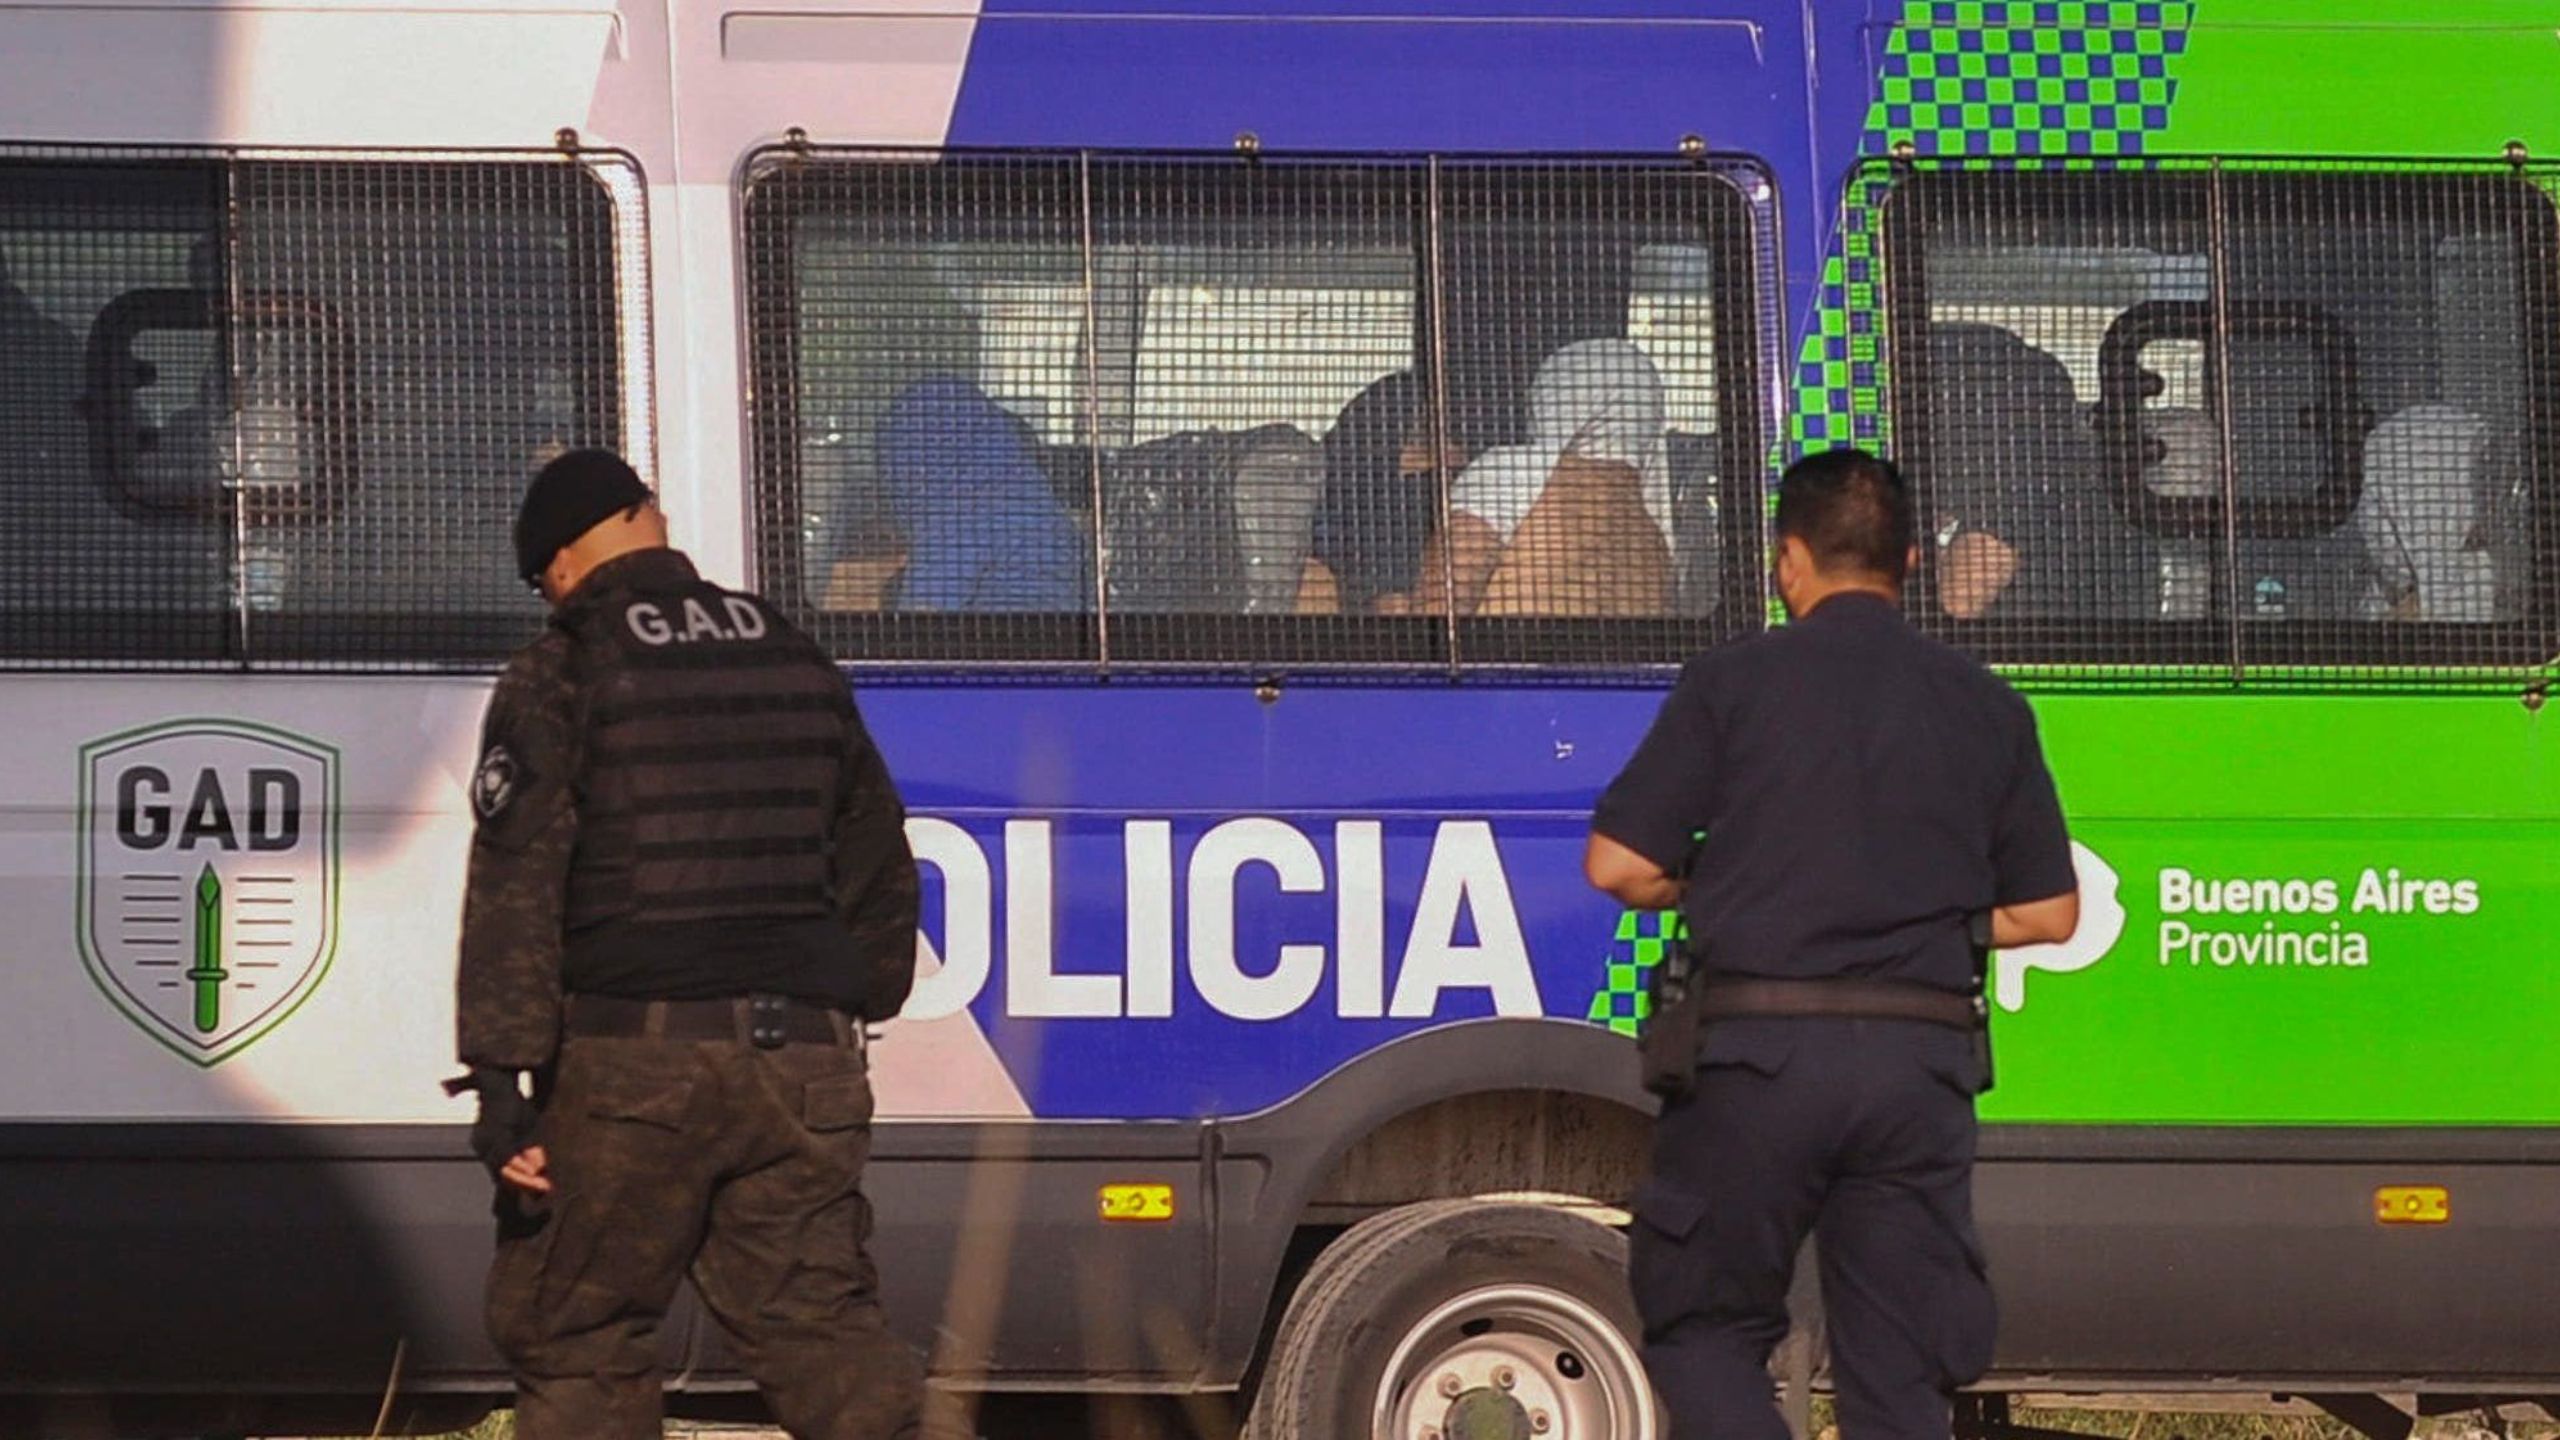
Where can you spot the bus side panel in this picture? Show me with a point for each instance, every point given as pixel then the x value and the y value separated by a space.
pixel 241 1259
pixel 1054 1254
pixel 2213 1270
pixel 2297 910
pixel 277 1260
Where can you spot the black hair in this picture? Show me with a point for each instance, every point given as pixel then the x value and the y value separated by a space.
pixel 1850 509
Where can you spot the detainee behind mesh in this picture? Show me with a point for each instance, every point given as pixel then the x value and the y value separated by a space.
pixel 1268 421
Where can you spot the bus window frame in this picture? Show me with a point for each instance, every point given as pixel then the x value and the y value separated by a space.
pixel 315 640
pixel 781 187
pixel 1743 300
pixel 2349 653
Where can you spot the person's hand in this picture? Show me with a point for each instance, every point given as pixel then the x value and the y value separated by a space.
pixel 524 1170
pixel 502 1135
pixel 1973 569
pixel 863 584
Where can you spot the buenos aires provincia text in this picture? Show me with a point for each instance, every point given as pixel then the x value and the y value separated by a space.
pixel 2254 922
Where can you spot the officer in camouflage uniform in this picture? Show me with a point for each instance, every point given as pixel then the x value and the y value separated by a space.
pixel 689 887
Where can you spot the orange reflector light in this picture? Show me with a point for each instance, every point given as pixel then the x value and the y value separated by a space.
pixel 1137 1202
pixel 2412 1205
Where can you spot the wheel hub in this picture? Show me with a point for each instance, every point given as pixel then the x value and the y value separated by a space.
pixel 1486 1415
pixel 1514 1363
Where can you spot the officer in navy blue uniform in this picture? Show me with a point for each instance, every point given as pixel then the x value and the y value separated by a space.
pixel 1834 807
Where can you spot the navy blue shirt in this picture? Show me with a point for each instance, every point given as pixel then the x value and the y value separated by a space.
pixel 1862 790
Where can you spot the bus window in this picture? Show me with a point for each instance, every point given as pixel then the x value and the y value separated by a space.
pixel 1601 334
pixel 2064 302
pixel 81 577
pixel 1671 317
pixel 2074 352
pixel 1262 352
pixel 920 347
pixel 875 318
pixel 272 411
pixel 1187 343
pixel 2414 567
pixel 1134 369
pixel 1193 411
pixel 2023 515
pixel 1232 356
pixel 1256 306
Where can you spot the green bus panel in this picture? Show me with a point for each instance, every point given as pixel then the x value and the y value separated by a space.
pixel 2326 911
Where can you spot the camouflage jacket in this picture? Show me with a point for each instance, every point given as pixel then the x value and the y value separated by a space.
pixel 524 797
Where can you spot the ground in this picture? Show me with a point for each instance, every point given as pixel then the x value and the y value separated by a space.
pixel 2186 1417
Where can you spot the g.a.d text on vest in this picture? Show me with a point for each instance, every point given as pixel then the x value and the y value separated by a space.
pixel 651 624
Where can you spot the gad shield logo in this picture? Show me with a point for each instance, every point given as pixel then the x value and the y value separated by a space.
pixel 208 878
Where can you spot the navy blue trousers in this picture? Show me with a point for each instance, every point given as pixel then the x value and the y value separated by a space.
pixel 1860 1133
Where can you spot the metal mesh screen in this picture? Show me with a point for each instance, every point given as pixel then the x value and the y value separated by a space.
pixel 2271 423
pixel 266 410
pixel 1602 380
pixel 1186 411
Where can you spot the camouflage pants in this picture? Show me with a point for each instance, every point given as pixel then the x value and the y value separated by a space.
pixel 742 1165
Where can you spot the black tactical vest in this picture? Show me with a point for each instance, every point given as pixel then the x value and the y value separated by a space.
pixel 715 735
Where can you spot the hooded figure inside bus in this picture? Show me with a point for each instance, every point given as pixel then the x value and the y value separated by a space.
pixel 2419 518
pixel 980 525
pixel 2026 529
pixel 1381 498
pixel 1577 522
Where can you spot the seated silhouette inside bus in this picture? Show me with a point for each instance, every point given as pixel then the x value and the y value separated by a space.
pixel 974 522
pixel 979 515
pixel 1577 521
pixel 2422 520
pixel 2418 547
pixel 1381 497
pixel 1590 514
pixel 2027 527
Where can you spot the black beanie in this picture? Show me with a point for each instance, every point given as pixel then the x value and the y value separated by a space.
pixel 573 494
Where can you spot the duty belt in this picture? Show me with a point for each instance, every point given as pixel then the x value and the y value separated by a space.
pixel 1837 999
pixel 764 1021
pixel 1681 999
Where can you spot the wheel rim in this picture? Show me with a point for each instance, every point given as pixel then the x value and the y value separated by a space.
pixel 1513 1362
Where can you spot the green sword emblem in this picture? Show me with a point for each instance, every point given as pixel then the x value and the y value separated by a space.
pixel 208 973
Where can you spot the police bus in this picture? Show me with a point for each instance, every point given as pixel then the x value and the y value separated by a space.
pixel 1260 464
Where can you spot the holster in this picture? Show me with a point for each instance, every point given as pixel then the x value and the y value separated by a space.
pixel 1673 1027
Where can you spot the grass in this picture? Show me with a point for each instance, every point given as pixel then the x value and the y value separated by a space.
pixel 500 1425
pixel 2298 1423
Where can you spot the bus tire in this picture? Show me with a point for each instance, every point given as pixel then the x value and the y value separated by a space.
pixel 1457 1317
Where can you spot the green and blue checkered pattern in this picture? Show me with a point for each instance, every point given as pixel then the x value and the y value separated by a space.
pixel 1623 1003
pixel 1978 77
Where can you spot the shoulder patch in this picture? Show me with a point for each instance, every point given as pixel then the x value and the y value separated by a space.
pixel 496 783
